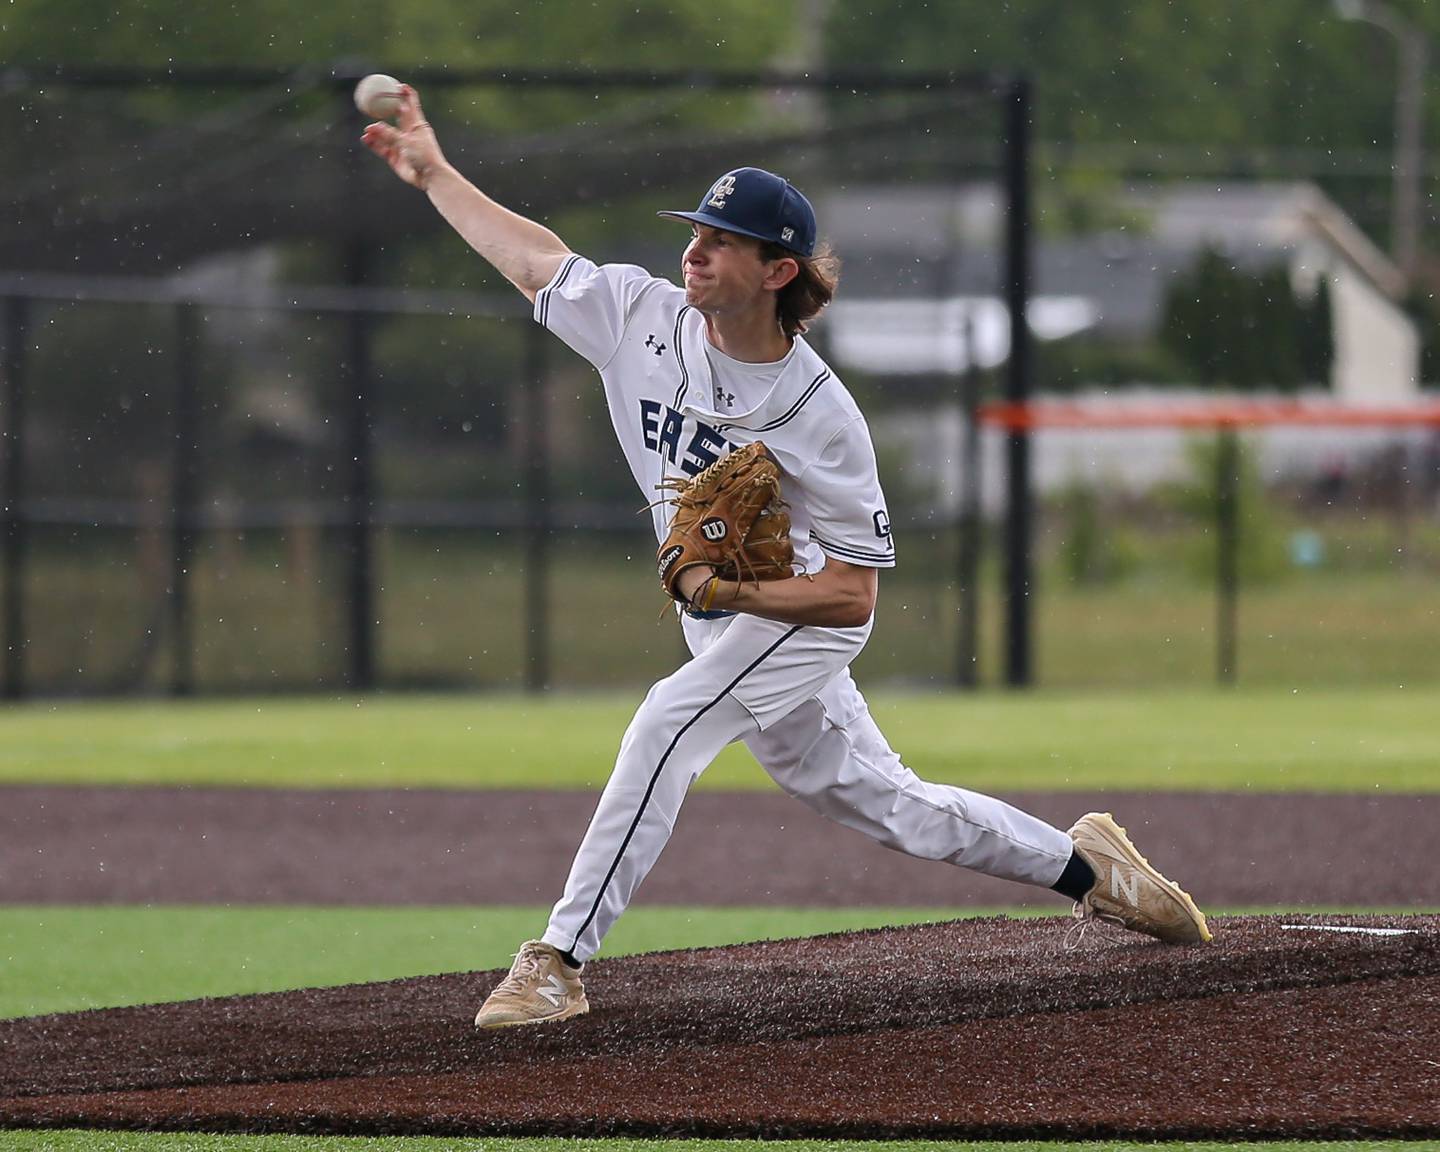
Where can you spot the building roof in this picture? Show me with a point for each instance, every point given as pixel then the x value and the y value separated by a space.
pixel 931 242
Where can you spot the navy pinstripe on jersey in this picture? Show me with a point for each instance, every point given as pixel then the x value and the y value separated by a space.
pixel 680 356
pixel 560 279
pixel 655 779
pixel 794 409
pixel 846 552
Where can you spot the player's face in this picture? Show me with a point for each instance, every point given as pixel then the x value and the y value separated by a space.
pixel 723 270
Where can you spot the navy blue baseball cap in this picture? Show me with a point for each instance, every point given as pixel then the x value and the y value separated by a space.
pixel 754 202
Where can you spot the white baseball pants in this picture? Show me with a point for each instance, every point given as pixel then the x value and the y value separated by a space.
pixel 787 692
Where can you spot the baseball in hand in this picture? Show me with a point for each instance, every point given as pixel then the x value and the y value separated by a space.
pixel 378 96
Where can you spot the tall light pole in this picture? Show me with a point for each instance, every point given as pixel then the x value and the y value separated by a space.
pixel 1411 51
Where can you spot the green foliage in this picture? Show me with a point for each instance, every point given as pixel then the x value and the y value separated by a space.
pixel 1424 310
pixel 66 959
pixel 1246 330
pixel 1080 200
pixel 1261 555
pixel 1086 361
pixel 1316 338
pixel 1096 550
pixel 1228 90
pixel 472 34
pixel 1233 73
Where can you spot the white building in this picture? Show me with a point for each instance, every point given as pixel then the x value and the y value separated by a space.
pixel 922 294
pixel 923 265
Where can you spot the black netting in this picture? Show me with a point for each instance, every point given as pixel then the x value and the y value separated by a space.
pixel 298 357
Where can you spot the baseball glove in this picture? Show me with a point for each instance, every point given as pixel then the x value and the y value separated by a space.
pixel 731 517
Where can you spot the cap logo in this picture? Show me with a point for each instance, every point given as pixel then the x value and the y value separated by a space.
pixel 787 234
pixel 723 187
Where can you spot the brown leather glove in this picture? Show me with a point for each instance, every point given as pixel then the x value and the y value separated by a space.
pixel 730 517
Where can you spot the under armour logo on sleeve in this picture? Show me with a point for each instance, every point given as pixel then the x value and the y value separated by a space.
pixel 658 349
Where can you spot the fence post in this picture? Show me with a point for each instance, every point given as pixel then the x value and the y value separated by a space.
pixel 183 518
pixel 17 325
pixel 1227 550
pixel 359 495
pixel 967 672
pixel 537 513
pixel 1018 575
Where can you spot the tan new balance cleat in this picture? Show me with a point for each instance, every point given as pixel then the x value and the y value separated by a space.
pixel 1128 891
pixel 541 987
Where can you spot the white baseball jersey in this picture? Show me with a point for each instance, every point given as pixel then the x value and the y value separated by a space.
pixel 678 406
pixel 677 409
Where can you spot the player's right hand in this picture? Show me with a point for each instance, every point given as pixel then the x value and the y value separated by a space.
pixel 409 146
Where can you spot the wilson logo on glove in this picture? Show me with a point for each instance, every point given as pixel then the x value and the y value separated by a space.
pixel 667 558
pixel 713 530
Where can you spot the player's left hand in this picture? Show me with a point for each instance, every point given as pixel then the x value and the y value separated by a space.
pixel 730 521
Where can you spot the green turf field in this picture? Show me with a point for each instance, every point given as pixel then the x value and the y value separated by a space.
pixel 1208 740
pixel 66 958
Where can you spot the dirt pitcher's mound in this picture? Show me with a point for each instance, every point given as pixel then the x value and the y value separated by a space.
pixel 1280 1029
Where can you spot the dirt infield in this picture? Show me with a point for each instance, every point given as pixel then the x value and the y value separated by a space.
pixel 969 1029
pixel 206 846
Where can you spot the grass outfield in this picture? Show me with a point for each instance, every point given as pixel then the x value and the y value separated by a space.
pixel 73 1141
pixel 66 958
pixel 1245 739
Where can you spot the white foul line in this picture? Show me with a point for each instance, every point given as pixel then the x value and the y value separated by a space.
pixel 1347 928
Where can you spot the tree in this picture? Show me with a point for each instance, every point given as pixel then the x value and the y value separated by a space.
pixel 468 34
pixel 1246 330
pixel 1316 338
pixel 1230 89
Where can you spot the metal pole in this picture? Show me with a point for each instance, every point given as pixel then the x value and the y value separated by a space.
pixel 537 514
pixel 359 387
pixel 360 674
pixel 1409 161
pixel 967 672
pixel 1411 50
pixel 17 326
pixel 1227 551
pixel 1018 576
pixel 183 495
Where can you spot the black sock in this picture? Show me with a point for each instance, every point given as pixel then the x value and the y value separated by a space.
pixel 569 958
pixel 1077 879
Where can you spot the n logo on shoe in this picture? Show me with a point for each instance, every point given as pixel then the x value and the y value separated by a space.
pixel 555 993
pixel 1119 889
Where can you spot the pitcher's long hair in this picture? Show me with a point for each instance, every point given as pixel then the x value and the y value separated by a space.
pixel 801 300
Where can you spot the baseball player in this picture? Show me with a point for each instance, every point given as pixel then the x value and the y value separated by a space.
pixel 690 373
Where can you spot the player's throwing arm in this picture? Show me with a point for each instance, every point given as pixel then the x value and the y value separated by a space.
pixel 524 252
